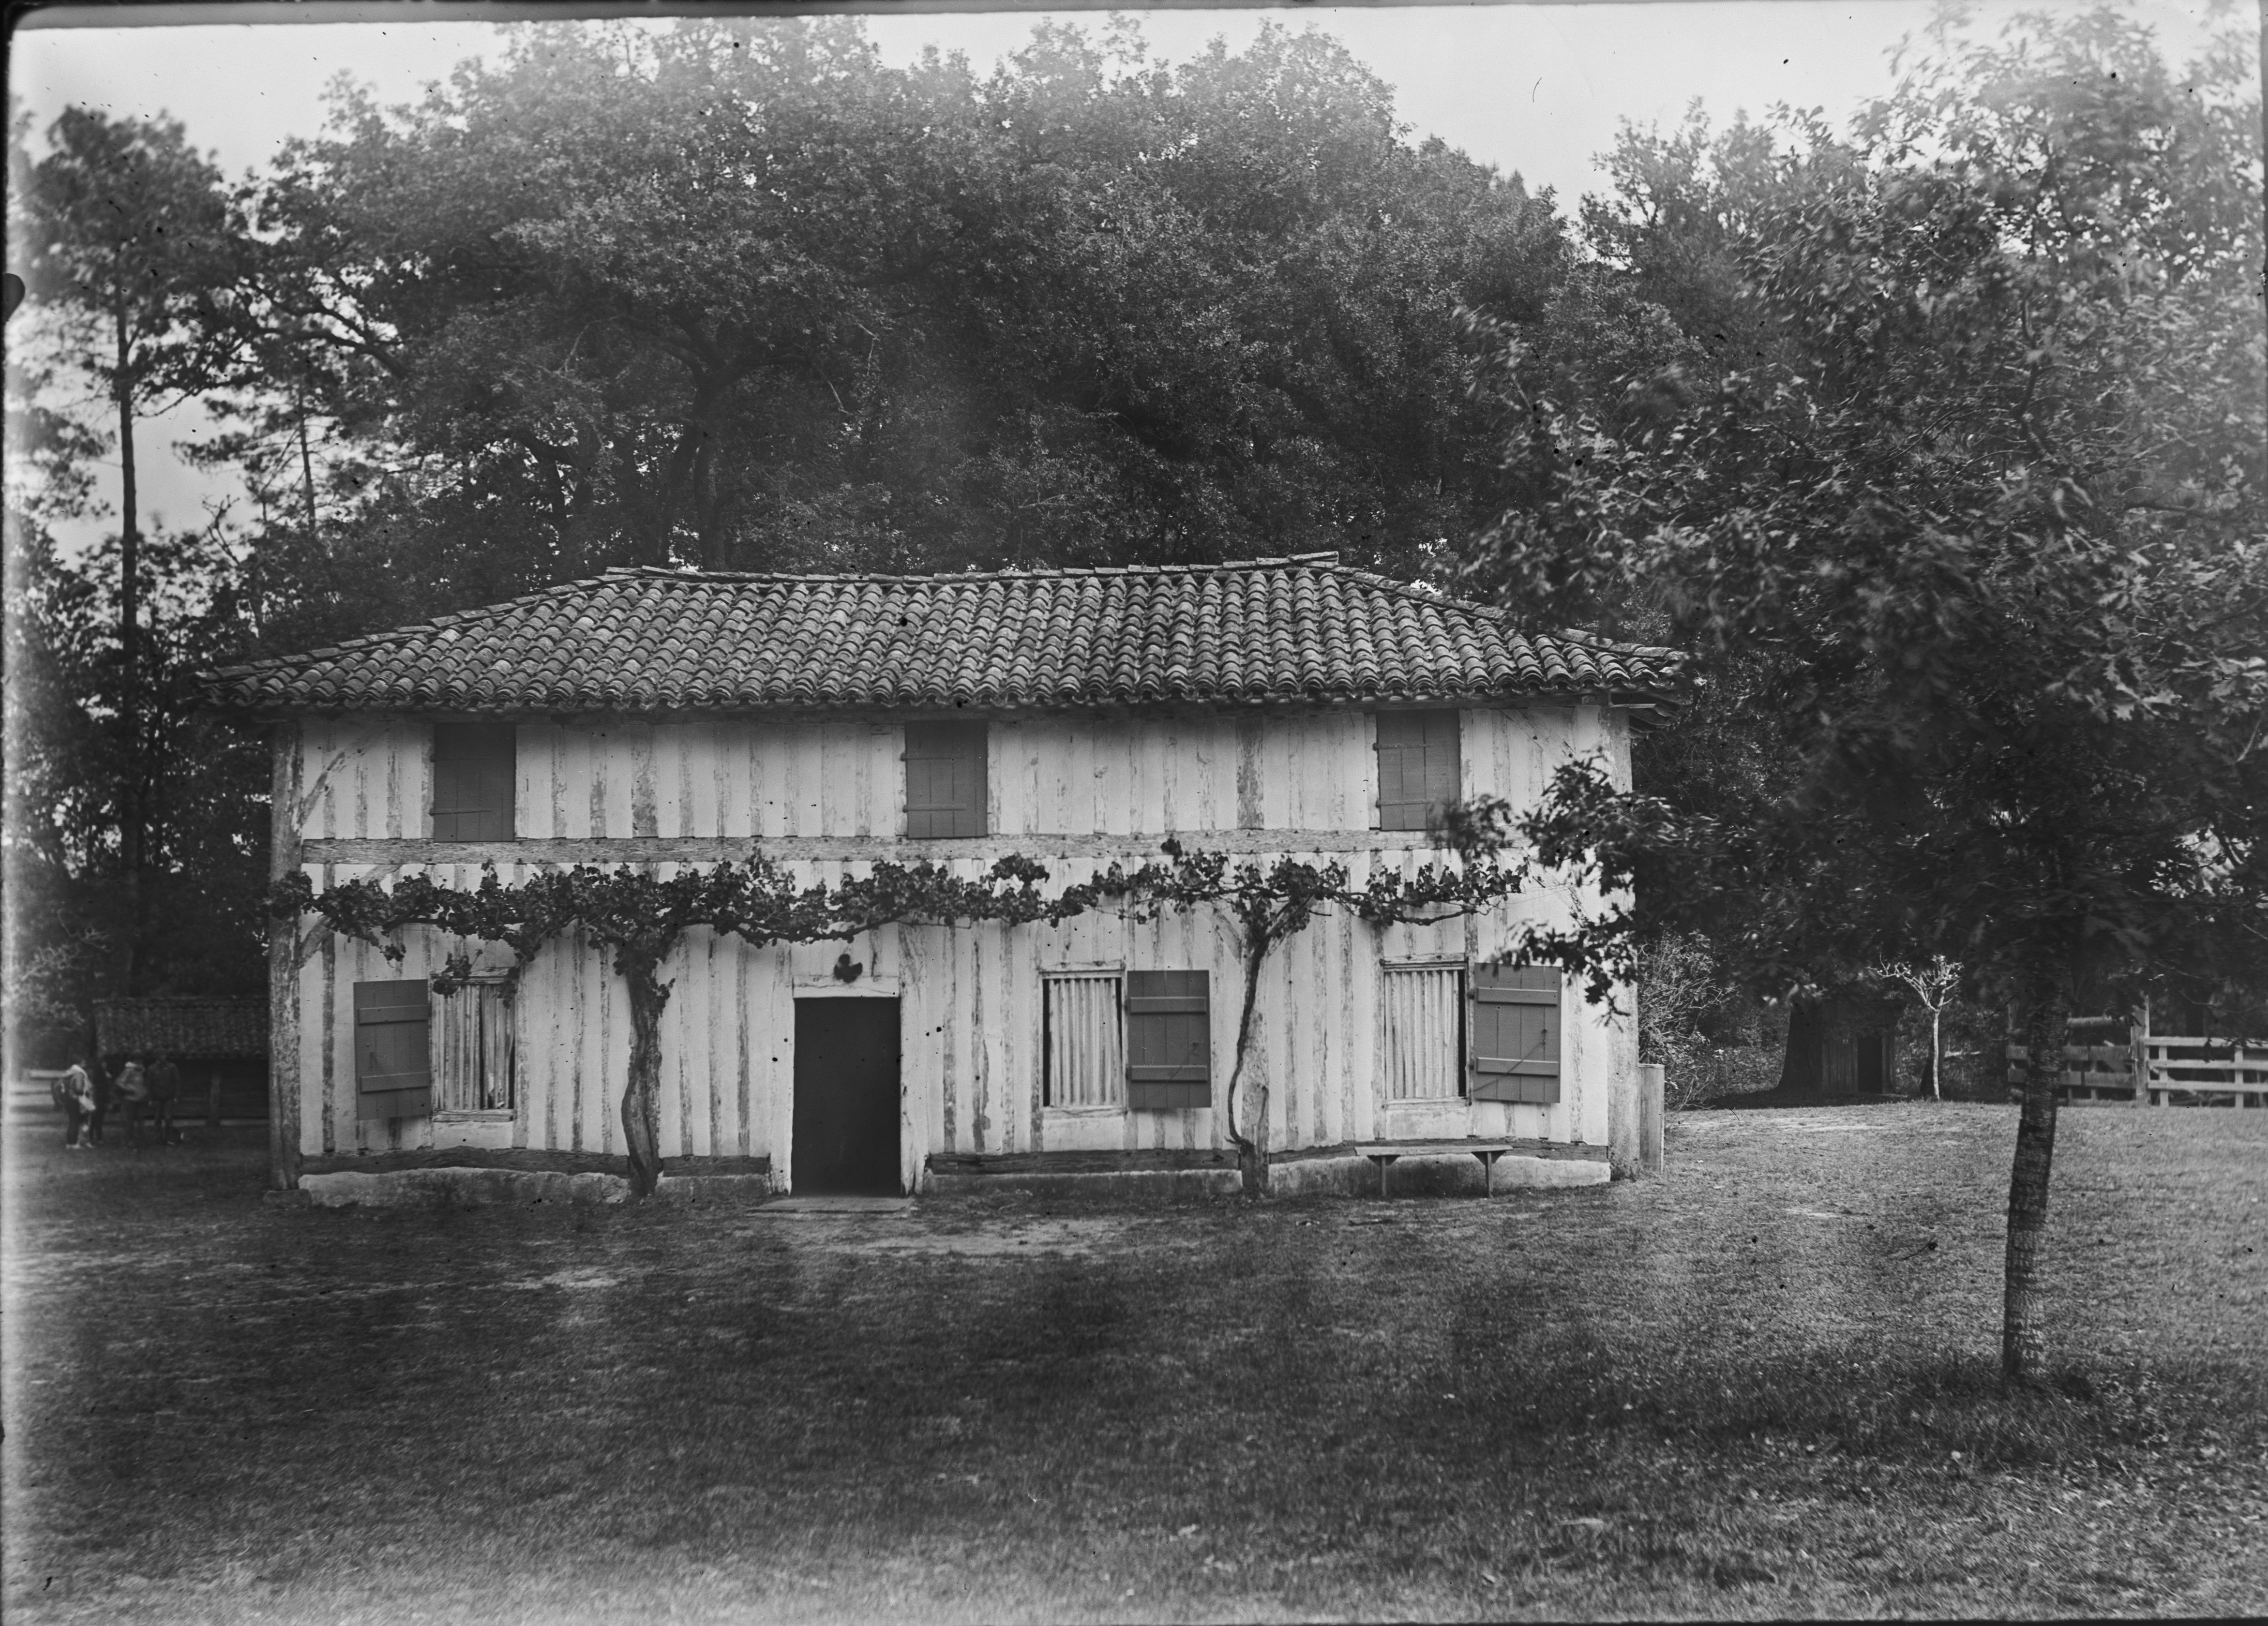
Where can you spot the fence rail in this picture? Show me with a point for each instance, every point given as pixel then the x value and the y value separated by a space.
pixel 2178 1069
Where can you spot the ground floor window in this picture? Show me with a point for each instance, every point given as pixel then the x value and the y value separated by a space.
pixel 1082 1045
pixel 1425 1033
pixel 474 1070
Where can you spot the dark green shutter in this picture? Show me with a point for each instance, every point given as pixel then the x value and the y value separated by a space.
pixel 475 771
pixel 1418 774
pixel 1516 1033
pixel 393 1071
pixel 1168 1041
pixel 945 779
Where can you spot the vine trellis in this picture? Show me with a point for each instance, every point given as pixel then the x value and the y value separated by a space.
pixel 641 918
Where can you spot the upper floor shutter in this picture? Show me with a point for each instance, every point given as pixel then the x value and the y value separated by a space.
pixel 393 1073
pixel 1417 766
pixel 475 771
pixel 945 779
pixel 1168 1040
pixel 1516 1023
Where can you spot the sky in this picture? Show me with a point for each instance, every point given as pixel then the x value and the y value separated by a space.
pixel 1537 89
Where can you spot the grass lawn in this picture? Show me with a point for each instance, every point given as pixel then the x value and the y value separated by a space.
pixel 1764 1385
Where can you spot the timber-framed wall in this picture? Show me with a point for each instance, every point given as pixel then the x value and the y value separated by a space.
pixel 822 793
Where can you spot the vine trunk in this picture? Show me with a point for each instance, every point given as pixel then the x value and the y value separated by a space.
pixel 649 995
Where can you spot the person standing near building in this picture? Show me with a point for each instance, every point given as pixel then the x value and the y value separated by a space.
pixel 164 1081
pixel 105 1096
pixel 74 1092
pixel 132 1090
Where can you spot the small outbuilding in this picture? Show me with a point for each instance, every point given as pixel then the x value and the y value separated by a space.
pixel 1843 1043
pixel 220 1045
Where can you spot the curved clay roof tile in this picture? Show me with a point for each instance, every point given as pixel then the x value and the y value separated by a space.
pixel 660 640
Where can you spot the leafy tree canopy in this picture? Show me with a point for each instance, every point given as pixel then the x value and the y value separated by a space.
pixel 740 295
pixel 1967 550
pixel 1968 559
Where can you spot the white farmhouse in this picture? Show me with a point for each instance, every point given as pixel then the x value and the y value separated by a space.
pixel 661 718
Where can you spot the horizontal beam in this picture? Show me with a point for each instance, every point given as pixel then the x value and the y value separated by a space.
pixel 610 850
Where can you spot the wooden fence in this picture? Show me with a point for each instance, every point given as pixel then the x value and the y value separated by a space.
pixel 2176 1070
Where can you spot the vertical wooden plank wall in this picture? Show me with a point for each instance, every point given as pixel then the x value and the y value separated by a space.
pixel 971 1006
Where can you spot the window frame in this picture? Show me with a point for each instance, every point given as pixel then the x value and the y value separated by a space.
pixel 1112 1072
pixel 486 989
pixel 1461 1068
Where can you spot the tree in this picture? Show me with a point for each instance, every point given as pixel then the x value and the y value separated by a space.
pixel 189 921
pixel 740 295
pixel 125 230
pixel 642 918
pixel 1977 547
pixel 1934 984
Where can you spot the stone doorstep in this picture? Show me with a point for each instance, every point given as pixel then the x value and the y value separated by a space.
pixel 486 1186
pixel 789 1207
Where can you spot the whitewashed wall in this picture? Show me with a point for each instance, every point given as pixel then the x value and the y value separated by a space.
pixel 970 1001
pixel 1051 775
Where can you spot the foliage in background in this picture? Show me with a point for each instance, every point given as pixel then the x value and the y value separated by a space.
pixel 126 820
pixel 133 829
pixel 1969 556
pixel 741 296
pixel 1713 1038
pixel 196 786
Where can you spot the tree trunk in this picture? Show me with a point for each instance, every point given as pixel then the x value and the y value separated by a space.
pixel 129 608
pixel 283 856
pixel 130 536
pixel 1936 1054
pixel 1251 1150
pixel 307 467
pixel 2022 1345
pixel 1799 1065
pixel 642 1095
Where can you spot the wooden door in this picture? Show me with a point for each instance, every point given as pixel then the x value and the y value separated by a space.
pixel 846 1098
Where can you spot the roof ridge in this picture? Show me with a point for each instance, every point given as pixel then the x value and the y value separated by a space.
pixel 1328 560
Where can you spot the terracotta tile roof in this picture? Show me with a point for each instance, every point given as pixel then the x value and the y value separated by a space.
pixel 660 640
pixel 182 1027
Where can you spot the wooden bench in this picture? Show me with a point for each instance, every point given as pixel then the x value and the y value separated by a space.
pixel 1383 1153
